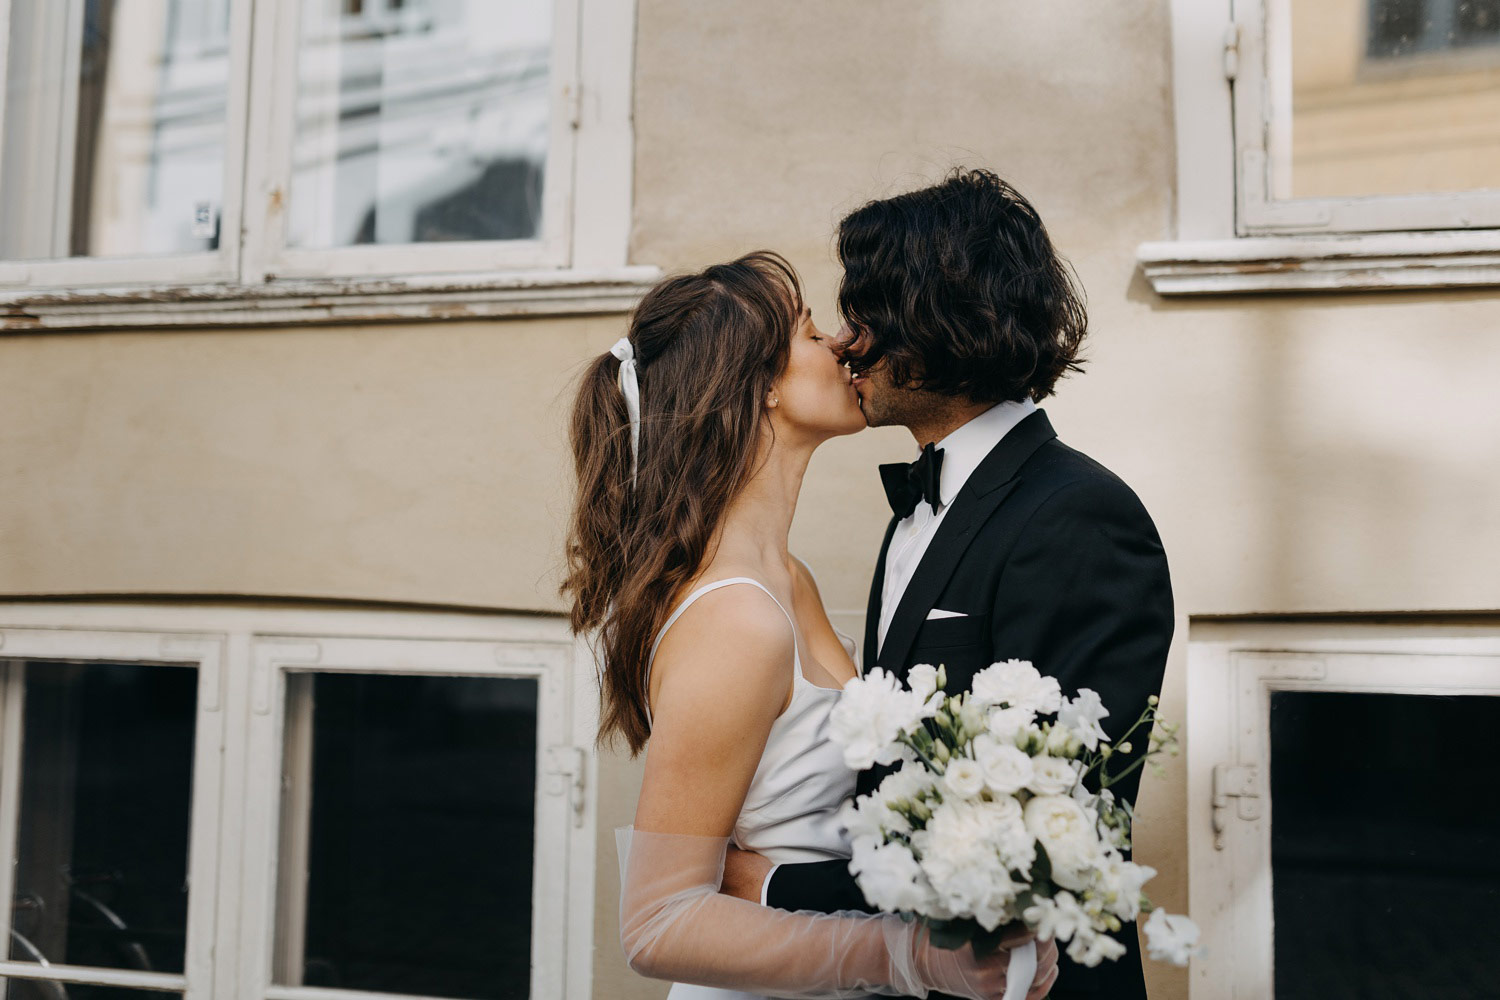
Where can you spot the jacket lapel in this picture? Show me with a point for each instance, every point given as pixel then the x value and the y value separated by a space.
pixel 989 485
pixel 872 607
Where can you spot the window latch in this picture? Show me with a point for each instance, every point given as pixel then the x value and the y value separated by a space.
pixel 1234 781
pixel 567 774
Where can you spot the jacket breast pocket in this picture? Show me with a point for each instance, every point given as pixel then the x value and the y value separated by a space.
pixel 944 633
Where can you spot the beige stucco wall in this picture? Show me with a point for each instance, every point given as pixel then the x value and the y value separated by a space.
pixel 1313 453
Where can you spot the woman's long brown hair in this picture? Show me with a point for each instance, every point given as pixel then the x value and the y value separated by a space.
pixel 708 348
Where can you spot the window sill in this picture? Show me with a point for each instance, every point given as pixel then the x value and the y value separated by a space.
pixel 293 302
pixel 1362 262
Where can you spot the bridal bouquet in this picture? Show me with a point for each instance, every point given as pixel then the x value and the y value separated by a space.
pixel 987 823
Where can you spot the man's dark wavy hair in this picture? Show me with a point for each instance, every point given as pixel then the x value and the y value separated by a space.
pixel 959 290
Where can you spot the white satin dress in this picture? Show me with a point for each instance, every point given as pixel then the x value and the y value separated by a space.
pixel 791 808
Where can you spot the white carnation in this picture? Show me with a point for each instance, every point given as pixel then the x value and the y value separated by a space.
pixel 889 876
pixel 1006 769
pixel 1005 724
pixel 1052 776
pixel 964 777
pixel 871 713
pixel 906 784
pixel 959 856
pixel 1171 937
pixel 1082 715
pixel 1017 684
pixel 922 679
pixel 1067 833
pixel 869 819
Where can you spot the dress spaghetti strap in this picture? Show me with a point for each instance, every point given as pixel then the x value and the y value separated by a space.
pixel 707 589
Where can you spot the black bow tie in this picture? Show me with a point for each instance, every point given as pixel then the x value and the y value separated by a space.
pixel 907 485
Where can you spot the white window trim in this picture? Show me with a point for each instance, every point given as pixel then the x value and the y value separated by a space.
pixel 1232 670
pixel 580 267
pixel 1215 43
pixel 243 655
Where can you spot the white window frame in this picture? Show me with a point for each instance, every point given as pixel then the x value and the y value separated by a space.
pixel 221 265
pixel 578 266
pixel 244 655
pixel 1232 670
pixel 1232 233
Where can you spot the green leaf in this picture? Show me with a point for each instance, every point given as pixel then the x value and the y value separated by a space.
pixel 951 934
pixel 1041 869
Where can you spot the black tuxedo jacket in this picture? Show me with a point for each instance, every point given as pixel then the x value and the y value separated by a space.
pixel 1051 558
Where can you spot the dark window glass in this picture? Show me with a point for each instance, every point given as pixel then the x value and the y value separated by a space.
pixel 421 839
pixel 1385 846
pixel 1407 27
pixel 106 794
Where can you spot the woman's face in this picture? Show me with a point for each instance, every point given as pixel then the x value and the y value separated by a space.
pixel 815 394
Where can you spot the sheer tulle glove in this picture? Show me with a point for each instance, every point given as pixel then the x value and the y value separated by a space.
pixel 675 925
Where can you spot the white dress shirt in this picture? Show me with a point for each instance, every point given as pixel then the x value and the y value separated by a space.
pixel 963 450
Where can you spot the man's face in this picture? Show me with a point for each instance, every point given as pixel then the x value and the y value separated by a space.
pixel 883 404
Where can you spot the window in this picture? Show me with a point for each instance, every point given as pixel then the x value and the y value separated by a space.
pixel 1335 838
pixel 1334 144
pixel 275 151
pixel 235 803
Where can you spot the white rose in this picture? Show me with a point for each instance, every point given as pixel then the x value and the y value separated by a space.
pixel 1017 684
pixel 889 876
pixel 1082 715
pixel 1171 937
pixel 964 777
pixel 1067 833
pixel 1051 776
pixel 1006 769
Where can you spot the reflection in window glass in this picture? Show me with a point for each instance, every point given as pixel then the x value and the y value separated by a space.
pixel 420 121
pixel 1385 845
pixel 25 989
pixel 115 123
pixel 1392 97
pixel 106 788
pixel 407 834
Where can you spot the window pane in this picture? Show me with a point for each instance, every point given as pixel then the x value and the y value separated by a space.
pixel 1393 97
pixel 1385 846
pixel 412 802
pixel 420 121
pixel 25 989
pixel 106 789
pixel 115 116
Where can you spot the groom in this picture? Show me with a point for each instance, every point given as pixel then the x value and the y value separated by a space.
pixel 1004 542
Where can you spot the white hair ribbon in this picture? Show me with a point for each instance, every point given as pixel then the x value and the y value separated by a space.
pixel 630 386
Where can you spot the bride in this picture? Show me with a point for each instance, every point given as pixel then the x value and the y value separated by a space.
pixel 690 441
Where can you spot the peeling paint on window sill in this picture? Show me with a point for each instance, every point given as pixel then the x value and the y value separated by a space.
pixel 1356 262
pixel 324 301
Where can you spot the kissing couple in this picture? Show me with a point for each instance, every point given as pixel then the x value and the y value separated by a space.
pixel 691 438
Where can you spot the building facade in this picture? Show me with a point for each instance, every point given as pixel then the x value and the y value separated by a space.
pixel 293 294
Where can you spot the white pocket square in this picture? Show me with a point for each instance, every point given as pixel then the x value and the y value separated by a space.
pixel 940 613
